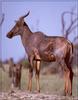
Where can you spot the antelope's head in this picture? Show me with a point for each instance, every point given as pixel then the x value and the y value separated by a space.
pixel 18 28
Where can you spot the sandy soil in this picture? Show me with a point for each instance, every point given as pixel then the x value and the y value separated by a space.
pixel 24 95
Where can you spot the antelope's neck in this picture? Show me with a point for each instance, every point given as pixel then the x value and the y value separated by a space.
pixel 26 36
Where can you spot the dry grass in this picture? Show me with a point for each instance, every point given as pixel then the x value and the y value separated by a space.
pixel 52 84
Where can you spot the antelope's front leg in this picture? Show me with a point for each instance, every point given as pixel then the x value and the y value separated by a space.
pixel 37 74
pixel 30 78
pixel 30 73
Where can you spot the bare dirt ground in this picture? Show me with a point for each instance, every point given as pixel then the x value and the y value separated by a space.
pixel 24 95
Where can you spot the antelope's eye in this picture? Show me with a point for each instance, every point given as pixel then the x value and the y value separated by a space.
pixel 24 24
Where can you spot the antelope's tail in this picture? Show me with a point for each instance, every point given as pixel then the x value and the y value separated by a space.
pixel 71 53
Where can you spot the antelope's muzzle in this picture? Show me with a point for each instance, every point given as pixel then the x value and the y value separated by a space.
pixel 9 35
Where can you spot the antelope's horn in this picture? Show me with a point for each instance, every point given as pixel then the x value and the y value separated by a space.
pixel 25 15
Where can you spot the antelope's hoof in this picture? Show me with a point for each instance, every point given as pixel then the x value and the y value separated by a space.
pixel 37 91
pixel 63 93
pixel 70 94
pixel 11 92
pixel 29 90
pixel 66 94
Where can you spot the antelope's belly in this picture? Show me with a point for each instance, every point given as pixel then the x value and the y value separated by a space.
pixel 45 56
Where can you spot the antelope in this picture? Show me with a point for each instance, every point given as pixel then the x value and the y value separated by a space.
pixel 15 74
pixel 40 47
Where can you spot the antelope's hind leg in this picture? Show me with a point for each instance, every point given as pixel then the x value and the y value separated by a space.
pixel 70 80
pixel 66 76
pixel 68 73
